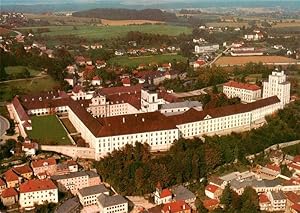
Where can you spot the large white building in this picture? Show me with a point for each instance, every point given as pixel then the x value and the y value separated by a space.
pixel 246 92
pixel 207 48
pixel 88 195
pixel 277 85
pixel 37 192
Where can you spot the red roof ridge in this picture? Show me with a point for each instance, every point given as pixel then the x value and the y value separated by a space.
pixel 9 192
pixel 37 185
pixel 241 85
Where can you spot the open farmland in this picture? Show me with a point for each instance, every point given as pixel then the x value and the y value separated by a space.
pixel 269 60
pixel 107 32
pixel 136 61
pixel 128 22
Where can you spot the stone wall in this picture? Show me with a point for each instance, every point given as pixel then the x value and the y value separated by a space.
pixel 71 151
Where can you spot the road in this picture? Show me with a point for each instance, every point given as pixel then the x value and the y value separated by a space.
pixel 4 125
pixel 216 58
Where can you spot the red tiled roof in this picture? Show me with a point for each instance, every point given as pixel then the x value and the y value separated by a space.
pixel 165 193
pixel 19 109
pixel 273 167
pixel 200 62
pixel 79 59
pixel 240 85
pixel 296 207
pixel 167 96
pixel 263 198
pixel 294 166
pixel 297 159
pixel 177 206
pixel 122 89
pixel 2 183
pixel 126 80
pixel 29 145
pixel 209 203
pixel 149 74
pixel 42 162
pixel 37 185
pixel 293 197
pixel 96 78
pixel 10 175
pixel 193 115
pixel 153 121
pixel 77 89
pixel 22 169
pixel 211 188
pixel 132 99
pixel 9 192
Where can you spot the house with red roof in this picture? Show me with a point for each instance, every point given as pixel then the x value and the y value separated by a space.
pixel 213 191
pixel 29 148
pixel 176 207
pixel 37 192
pixel 264 202
pixel 211 204
pixel 47 166
pixel 246 92
pixel 161 195
pixel 96 81
pixel 2 185
pixel 200 62
pixel 295 208
pixel 24 171
pixel 12 179
pixel 9 196
pixel 100 64
pixel 126 82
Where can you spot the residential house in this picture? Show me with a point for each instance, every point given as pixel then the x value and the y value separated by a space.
pixel 47 166
pixel 264 202
pixel 2 185
pixel 88 195
pixel 94 178
pixel 213 191
pixel 126 82
pixel 199 63
pixel 24 171
pixel 29 148
pixel 66 167
pixel 72 181
pixel 12 179
pixel 182 193
pixel 206 48
pixel 162 196
pixel 9 196
pixel 176 207
pixel 100 64
pixel 211 204
pixel 96 81
pixel 37 192
pixel 112 204
pixel 71 79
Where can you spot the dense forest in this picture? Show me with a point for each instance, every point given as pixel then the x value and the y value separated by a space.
pixel 127 14
pixel 135 171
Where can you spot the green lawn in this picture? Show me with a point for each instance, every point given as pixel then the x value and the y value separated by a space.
pixel 11 70
pixel 9 90
pixel 47 130
pixel 107 32
pixel 135 61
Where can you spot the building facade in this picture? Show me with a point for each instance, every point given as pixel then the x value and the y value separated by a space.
pixel 246 92
pixel 279 86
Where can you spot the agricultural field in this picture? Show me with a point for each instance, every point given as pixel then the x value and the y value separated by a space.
pixel 10 89
pixel 231 61
pixel 128 22
pixel 136 61
pixel 13 70
pixel 56 135
pixel 108 32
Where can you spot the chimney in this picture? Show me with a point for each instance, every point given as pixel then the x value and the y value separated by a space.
pixel 123 119
pixel 183 207
pixel 143 119
pixel 169 207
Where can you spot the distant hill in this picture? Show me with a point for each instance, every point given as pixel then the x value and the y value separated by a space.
pixel 127 14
